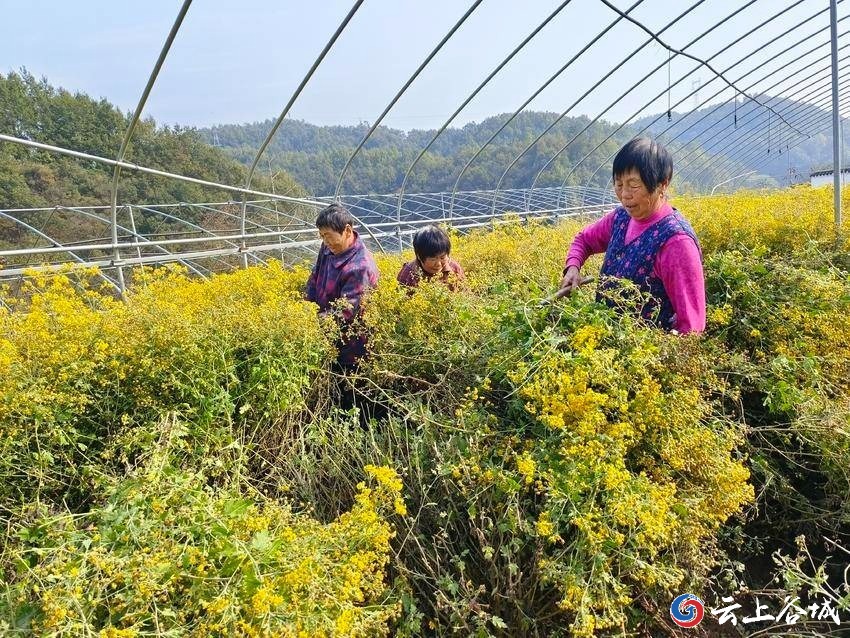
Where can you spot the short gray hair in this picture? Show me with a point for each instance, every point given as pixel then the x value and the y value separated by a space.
pixel 336 217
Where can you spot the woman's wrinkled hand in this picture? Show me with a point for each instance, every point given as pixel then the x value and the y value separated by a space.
pixel 571 281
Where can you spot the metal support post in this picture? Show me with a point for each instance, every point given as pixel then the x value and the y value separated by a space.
pixel 836 116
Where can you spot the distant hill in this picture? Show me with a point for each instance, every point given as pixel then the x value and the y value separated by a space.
pixel 315 155
pixel 33 109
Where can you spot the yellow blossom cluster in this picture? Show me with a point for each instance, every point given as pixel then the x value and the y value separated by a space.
pixel 777 220
pixel 77 363
pixel 208 564
pixel 633 474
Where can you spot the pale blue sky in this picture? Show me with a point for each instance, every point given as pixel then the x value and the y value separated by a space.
pixel 235 62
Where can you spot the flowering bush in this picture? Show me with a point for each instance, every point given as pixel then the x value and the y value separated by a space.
pixel 779 220
pixel 167 554
pixel 79 367
pixel 173 464
pixel 633 473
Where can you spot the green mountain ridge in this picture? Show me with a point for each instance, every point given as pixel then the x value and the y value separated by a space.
pixel 305 158
pixel 566 154
pixel 33 109
pixel 315 155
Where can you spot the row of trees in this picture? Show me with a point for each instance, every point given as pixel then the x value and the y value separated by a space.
pixel 315 155
pixel 33 109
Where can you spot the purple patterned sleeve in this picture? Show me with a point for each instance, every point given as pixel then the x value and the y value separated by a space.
pixel 310 294
pixel 353 285
pixel 356 278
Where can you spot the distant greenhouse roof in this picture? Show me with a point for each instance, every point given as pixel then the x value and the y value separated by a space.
pixel 828 171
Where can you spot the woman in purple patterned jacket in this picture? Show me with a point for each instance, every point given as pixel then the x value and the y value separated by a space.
pixel 344 270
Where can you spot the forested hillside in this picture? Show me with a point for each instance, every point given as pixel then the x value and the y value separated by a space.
pixel 314 156
pixel 35 110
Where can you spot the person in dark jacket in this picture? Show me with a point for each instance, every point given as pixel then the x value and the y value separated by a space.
pixel 344 271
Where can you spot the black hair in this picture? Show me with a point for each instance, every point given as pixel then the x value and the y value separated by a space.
pixel 431 241
pixel 336 217
pixel 650 158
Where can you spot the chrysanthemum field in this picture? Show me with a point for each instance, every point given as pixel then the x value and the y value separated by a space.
pixel 174 464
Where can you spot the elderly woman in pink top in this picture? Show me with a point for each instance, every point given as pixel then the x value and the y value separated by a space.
pixel 646 241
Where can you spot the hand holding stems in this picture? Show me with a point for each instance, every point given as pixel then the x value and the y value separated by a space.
pixel 571 281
